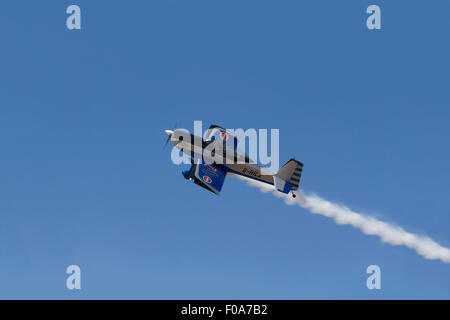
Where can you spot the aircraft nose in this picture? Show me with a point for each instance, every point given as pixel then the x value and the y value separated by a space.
pixel 169 132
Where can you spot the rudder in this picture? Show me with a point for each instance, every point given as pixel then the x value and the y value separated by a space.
pixel 291 172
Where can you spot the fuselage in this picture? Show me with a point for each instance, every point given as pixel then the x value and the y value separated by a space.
pixel 216 153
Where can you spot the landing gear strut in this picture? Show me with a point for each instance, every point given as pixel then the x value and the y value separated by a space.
pixel 293 195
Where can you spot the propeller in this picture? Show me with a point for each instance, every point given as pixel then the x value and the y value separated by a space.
pixel 169 134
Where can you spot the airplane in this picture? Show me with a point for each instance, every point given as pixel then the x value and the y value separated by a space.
pixel 211 174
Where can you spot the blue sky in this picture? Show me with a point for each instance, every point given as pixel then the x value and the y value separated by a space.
pixel 84 178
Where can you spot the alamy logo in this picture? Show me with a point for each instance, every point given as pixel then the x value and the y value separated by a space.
pixel 226 146
pixel 373 22
pixel 74 280
pixel 373 281
pixel 74 20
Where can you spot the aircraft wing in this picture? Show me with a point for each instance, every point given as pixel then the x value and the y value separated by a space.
pixel 209 176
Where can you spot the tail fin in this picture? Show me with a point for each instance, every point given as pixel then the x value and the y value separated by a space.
pixel 291 173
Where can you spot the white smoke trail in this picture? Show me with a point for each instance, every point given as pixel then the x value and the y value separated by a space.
pixel 388 233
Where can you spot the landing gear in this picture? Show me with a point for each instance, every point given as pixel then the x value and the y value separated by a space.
pixel 293 195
